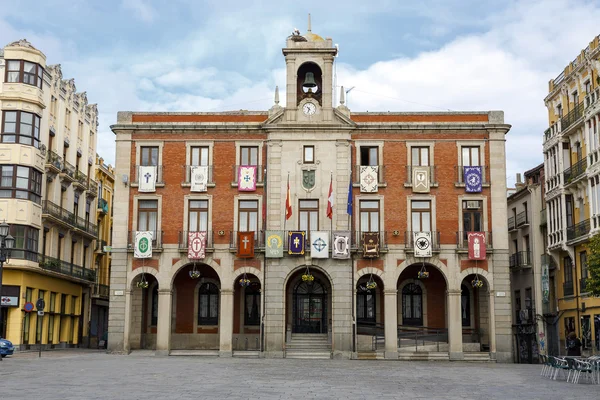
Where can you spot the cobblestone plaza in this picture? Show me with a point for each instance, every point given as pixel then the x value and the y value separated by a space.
pixel 93 375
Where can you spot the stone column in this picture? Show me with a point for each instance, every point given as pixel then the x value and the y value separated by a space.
pixel 127 323
pixel 455 344
pixel 163 331
pixel 391 323
pixel 226 323
pixel 492 326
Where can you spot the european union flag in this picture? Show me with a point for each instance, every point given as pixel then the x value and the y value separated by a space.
pixel 350 198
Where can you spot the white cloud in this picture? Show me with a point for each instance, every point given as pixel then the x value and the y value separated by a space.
pixel 141 9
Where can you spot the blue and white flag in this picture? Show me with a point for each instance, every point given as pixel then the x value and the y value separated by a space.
pixel 472 177
pixel 319 244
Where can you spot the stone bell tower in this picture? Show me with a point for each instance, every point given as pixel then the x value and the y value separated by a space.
pixel 309 76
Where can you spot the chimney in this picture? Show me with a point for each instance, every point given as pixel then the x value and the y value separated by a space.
pixel 519 184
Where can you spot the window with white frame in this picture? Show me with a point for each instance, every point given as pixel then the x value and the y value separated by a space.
pixel 148 216
pixel 199 155
pixel 248 216
pixel 198 216
pixel 421 215
pixel 419 156
pixel 369 215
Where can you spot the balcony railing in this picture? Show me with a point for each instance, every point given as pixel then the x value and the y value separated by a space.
pixel 592 98
pixel 578 230
pixel 522 219
pixel 409 240
pixel 259 174
pixel 358 244
pixel 511 223
pixel 575 171
pixel 462 240
pixel 183 240
pixel 69 170
pixel 86 226
pixel 572 117
pixel 136 171
pixel 58 212
pixel 93 188
pixel 432 176
pixel 543 217
pixel 380 174
pixel 54 160
pixel 103 206
pixel 568 289
pixel 460 171
pixel 187 176
pixel 520 259
pixel 259 240
pixel 100 245
pixel 546 259
pixel 583 285
pixel 156 240
pixel 101 290
pixel 66 268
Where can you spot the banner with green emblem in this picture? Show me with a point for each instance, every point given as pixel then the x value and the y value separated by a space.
pixel 143 245
pixel 274 244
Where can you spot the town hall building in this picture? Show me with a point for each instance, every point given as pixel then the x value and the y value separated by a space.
pixel 309 230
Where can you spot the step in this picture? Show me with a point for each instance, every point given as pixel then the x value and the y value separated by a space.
pixel 481 357
pixel 198 353
pixel 246 354
pixel 316 355
pixel 303 343
pixel 371 355
pixel 423 356
pixel 309 336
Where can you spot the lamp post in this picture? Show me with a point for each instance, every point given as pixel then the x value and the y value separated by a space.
pixel 6 244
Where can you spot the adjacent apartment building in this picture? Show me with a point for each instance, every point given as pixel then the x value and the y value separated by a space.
pixel 311 230
pixel 48 196
pixel 571 164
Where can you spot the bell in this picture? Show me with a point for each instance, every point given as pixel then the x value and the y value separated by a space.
pixel 309 80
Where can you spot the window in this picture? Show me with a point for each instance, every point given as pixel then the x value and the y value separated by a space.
pixel 208 304
pixel 421 215
pixel 518 306
pixel 369 155
pixel 21 127
pixel 248 216
pixel 76 204
pixel 88 206
pixel 252 306
pixel 569 210
pixel 584 264
pixel 419 156
pixel 472 216
pixel 309 154
pixel 149 156
pixel 470 156
pixel 20 182
pixel 84 257
pixel 198 216
pixel 26 242
pixel 73 304
pixel 52 305
pixel 199 156
pixel 369 216
pixel 465 305
pixel 249 155
pixel 412 300
pixel 559 110
pixel 148 216
pixel 308 215
pixel 24 72
pixel 575 97
pixel 154 310
pixel 588 87
pixel 568 276
pixel 366 306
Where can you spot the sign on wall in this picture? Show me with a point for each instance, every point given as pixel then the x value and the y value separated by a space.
pixel 10 296
pixel 274 244
pixel 143 244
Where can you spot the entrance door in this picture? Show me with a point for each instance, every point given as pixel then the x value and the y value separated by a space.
pixel 310 308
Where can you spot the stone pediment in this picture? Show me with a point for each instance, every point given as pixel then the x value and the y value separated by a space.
pixel 339 119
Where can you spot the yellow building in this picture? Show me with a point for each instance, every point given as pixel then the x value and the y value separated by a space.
pixel 47 196
pixel 104 215
pixel 572 167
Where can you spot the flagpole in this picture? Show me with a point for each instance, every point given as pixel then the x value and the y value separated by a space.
pixel 287 193
pixel 330 185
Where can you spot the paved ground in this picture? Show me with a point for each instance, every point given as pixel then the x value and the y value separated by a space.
pixel 78 374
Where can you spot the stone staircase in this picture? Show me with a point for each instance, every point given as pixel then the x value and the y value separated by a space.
pixel 477 356
pixel 423 356
pixel 308 346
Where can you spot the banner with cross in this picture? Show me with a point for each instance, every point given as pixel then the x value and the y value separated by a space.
pixel 247 178
pixel 147 179
pixel 319 244
pixel 296 242
pixel 245 242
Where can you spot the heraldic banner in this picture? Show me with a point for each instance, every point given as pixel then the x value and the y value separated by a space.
pixel 476 245
pixel 196 245
pixel 472 176
pixel 340 248
pixel 274 244
pixel 370 244
pixel 143 244
pixel 319 246
pixel 247 178
pixel 147 179
pixel 422 243
pixel 420 179
pixel 369 177
pixel 296 242
pixel 198 178
pixel 245 242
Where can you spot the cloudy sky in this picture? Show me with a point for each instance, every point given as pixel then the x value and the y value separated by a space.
pixel 400 55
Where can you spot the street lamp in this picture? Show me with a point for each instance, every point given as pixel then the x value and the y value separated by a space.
pixel 7 242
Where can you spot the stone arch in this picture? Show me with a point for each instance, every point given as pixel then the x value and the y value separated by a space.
pixel 143 270
pixel 248 270
pixel 367 271
pixel 433 262
pixel 483 274
pixel 303 266
pixel 184 262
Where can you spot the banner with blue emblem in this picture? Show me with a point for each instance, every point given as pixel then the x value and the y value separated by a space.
pixel 473 180
pixel 296 242
pixel 319 244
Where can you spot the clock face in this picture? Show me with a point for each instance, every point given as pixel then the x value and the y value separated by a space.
pixel 309 109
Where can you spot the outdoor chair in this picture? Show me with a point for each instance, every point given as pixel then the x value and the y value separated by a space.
pixel 559 364
pixel 585 367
